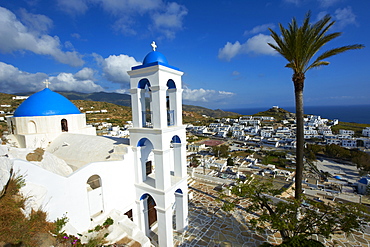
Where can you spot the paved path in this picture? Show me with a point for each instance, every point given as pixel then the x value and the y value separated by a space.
pixel 210 226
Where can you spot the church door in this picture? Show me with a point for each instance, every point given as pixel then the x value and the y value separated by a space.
pixel 95 195
pixel 152 212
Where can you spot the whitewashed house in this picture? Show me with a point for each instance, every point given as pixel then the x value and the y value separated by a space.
pixel 363 185
pixel 346 132
pixel 333 141
pixel 349 143
pixel 366 132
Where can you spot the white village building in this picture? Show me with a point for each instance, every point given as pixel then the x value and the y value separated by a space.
pixel 87 177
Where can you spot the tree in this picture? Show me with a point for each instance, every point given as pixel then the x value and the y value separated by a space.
pixel 288 216
pixel 299 45
pixel 230 162
pixel 221 151
pixel 194 162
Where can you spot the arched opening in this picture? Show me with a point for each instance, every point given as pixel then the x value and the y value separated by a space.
pixel 177 157
pixel 180 214
pixel 171 84
pixel 146 158
pixel 170 94
pixel 31 127
pixel 64 124
pixel 95 195
pixel 94 182
pixel 146 103
pixel 176 139
pixel 151 211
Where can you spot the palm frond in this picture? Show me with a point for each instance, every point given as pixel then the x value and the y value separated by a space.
pixel 299 45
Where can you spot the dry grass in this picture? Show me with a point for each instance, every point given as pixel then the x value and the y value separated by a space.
pixel 15 227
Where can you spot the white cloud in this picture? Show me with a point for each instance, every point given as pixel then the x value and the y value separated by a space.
pixel 260 28
pixel 327 3
pixel 122 91
pixel 125 25
pixel 230 50
pixel 119 7
pixel 75 82
pixel 170 20
pixel 14 80
pixel 73 6
pixel 166 17
pixel 255 45
pixel 85 74
pixel 37 23
pixel 115 67
pixel 258 45
pixel 344 17
pixel 15 36
pixel 205 95
pixel 321 15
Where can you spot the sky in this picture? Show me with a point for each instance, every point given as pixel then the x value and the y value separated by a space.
pixel 221 46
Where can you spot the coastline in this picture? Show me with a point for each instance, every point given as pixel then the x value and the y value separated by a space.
pixel 348 113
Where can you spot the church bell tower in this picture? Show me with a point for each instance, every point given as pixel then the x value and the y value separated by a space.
pixel 158 138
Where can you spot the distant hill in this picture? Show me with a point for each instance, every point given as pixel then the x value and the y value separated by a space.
pixel 124 100
pixel 277 113
pixel 114 98
pixel 208 112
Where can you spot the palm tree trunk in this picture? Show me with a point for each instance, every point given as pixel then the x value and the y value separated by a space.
pixel 298 80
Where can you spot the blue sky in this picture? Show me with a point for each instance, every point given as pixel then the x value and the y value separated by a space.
pixel 88 45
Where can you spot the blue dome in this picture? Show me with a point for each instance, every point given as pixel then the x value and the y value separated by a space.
pixel 155 57
pixel 46 103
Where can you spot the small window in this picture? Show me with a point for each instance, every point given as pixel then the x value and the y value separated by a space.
pixel 64 125
pixel 149 167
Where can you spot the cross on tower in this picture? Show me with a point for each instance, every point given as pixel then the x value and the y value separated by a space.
pixel 153 45
pixel 46 82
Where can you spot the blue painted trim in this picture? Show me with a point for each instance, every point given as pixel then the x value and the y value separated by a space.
pixel 144 197
pixel 171 84
pixel 153 64
pixel 176 139
pixel 143 83
pixel 142 142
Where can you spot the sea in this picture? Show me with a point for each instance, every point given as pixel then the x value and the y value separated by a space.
pixel 348 113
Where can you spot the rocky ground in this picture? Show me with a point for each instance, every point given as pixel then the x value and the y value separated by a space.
pixel 210 226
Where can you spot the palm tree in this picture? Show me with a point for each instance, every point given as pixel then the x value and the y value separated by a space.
pixel 299 45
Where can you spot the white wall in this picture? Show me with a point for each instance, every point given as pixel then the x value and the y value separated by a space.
pixel 68 195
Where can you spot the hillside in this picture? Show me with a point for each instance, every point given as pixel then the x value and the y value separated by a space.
pixel 114 98
pixel 278 113
pixel 208 112
pixel 122 100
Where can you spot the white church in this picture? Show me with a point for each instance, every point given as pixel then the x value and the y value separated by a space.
pixel 142 181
